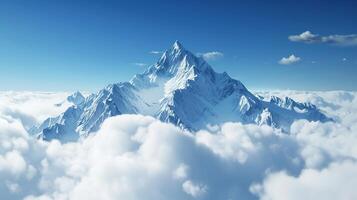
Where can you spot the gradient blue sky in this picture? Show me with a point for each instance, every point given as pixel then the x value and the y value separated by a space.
pixel 83 45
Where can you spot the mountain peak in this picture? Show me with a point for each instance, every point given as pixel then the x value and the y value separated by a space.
pixel 182 89
pixel 174 61
pixel 76 98
pixel 177 45
pixel 174 58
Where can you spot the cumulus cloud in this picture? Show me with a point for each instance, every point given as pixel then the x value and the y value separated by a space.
pixel 340 40
pixel 234 145
pixel 181 171
pixel 135 157
pixel 212 55
pixel 306 36
pixel 289 60
pixel 334 182
pixel 139 157
pixel 194 189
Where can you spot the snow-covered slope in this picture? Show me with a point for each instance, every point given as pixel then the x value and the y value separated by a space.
pixel 76 98
pixel 181 89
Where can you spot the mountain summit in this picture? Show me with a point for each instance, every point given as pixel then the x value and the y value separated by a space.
pixel 182 89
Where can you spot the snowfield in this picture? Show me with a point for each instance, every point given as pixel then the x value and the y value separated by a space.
pixel 182 89
pixel 134 156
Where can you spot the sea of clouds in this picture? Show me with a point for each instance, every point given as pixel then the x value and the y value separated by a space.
pixel 138 157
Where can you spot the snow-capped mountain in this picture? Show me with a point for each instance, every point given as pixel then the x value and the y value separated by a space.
pixel 182 89
pixel 76 98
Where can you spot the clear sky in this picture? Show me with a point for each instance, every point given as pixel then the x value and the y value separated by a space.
pixel 70 45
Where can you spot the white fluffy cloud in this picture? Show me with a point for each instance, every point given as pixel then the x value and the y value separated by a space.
pixel 340 40
pixel 139 157
pixel 212 55
pixel 337 181
pixel 131 157
pixel 289 60
pixel 32 107
pixel 194 189
pixel 306 37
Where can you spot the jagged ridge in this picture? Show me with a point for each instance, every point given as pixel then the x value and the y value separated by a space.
pixel 182 89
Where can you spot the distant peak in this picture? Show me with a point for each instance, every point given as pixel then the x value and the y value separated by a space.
pixel 76 98
pixel 76 94
pixel 177 45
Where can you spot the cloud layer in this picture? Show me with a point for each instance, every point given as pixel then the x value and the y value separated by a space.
pixel 139 157
pixel 340 40
pixel 32 107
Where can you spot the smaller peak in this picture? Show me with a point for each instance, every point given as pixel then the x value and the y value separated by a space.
pixel 76 94
pixel 177 45
pixel 76 98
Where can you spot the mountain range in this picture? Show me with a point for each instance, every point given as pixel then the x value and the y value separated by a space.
pixel 180 88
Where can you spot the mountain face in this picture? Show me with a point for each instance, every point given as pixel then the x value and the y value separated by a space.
pixel 181 89
pixel 76 98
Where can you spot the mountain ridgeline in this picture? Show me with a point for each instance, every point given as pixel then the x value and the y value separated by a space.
pixel 181 89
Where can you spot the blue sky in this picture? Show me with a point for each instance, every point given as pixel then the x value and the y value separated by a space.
pixel 84 45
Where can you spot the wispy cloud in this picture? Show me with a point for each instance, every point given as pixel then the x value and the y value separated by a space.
pixel 306 37
pixel 212 55
pixel 289 60
pixel 340 40
pixel 156 52
pixel 140 64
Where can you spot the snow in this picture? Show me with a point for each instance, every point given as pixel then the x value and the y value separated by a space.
pixel 181 89
pixel 76 98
